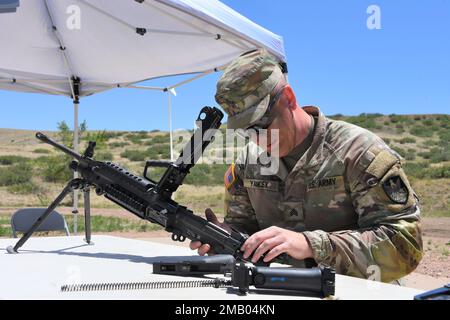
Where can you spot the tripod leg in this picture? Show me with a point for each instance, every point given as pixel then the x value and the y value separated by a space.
pixel 87 215
pixel 73 184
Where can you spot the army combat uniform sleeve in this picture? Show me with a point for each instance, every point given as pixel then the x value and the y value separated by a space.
pixel 238 208
pixel 387 244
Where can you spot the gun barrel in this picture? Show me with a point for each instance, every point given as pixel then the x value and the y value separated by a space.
pixel 57 145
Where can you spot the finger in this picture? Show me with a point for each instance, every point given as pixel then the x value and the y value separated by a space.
pixel 275 252
pixel 194 245
pixel 211 217
pixel 204 249
pixel 265 246
pixel 255 240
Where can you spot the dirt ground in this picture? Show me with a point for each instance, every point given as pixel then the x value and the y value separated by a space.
pixel 432 272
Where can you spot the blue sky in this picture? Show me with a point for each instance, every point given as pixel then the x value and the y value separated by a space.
pixel 335 62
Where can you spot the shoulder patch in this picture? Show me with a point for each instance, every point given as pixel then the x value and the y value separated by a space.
pixel 229 178
pixel 396 190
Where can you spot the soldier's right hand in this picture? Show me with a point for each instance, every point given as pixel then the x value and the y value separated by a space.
pixel 204 248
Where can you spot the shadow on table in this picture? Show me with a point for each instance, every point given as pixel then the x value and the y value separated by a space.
pixel 115 256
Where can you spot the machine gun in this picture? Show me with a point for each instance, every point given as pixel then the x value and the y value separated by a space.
pixel 144 197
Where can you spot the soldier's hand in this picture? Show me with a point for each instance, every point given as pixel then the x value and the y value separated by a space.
pixel 274 241
pixel 204 248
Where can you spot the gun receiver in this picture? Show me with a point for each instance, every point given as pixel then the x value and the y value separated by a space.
pixel 152 201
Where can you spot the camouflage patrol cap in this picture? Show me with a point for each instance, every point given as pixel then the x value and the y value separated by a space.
pixel 244 89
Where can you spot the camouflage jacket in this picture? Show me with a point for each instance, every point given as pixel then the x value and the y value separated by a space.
pixel 348 194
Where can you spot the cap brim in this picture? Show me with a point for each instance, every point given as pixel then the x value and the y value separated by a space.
pixel 250 116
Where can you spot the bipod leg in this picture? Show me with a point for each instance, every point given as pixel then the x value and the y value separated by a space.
pixel 87 215
pixel 72 185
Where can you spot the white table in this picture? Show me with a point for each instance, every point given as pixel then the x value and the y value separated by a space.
pixel 45 263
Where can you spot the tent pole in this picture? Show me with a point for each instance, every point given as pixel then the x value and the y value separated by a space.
pixel 170 123
pixel 75 174
pixel 76 104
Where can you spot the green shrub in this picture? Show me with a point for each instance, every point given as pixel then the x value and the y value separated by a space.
pixel 406 140
pixel 54 168
pixel 113 145
pixel 42 151
pixel 23 188
pixel 134 155
pixel 425 154
pixel 103 156
pixel 416 169
pixel 160 150
pixel 420 131
pixel 400 151
pixel 9 160
pixel 438 172
pixel 16 174
pixel 205 174
pixel 440 155
pixel 410 156
pixel 160 139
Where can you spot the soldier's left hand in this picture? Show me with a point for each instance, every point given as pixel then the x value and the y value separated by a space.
pixel 274 241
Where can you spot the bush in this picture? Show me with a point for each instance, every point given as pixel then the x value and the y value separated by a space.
pixel 420 131
pixel 440 155
pixel 363 121
pixel 16 174
pixel 118 144
pixel 438 172
pixel 415 169
pixel 9 160
pixel 103 156
pixel 134 155
pixel 55 168
pixel 23 188
pixel 205 174
pixel 400 151
pixel 160 151
pixel 165 139
pixel 99 137
pixel 425 155
pixel 406 140
pixel 410 156
pixel 42 151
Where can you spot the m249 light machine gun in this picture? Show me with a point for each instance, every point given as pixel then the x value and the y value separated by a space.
pixel 144 197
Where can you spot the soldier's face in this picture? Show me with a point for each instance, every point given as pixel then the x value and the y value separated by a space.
pixel 279 138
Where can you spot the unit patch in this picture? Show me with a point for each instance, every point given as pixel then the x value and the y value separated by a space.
pixel 396 190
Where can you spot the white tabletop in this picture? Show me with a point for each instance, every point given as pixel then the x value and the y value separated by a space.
pixel 43 264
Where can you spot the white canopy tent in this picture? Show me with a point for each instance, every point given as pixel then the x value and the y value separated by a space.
pixel 76 48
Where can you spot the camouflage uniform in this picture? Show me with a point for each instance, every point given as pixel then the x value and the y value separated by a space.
pixel 348 195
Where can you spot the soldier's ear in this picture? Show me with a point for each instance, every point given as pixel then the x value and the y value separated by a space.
pixel 290 97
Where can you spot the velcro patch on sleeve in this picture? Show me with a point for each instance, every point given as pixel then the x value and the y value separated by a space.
pixel 229 178
pixel 381 164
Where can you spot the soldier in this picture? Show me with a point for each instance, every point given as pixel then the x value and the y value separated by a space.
pixel 339 197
